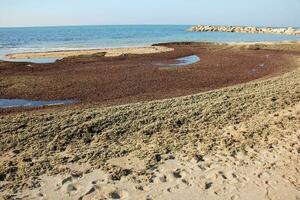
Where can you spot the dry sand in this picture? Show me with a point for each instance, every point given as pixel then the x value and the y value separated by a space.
pixel 240 142
pixel 266 174
pixel 109 52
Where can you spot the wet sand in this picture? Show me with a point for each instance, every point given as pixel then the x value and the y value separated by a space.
pixel 108 52
pixel 134 78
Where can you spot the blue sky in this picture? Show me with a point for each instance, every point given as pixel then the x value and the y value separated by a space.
pixel 89 12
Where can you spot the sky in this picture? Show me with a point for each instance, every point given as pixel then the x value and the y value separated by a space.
pixel 21 13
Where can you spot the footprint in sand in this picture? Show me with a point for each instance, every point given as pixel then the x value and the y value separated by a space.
pixel 179 178
pixel 71 188
pixel 234 197
pixel 186 182
pixel 160 179
pixel 90 192
pixel 222 175
pixel 105 192
pixel 74 175
pixel 163 178
pixel 264 175
pixel 177 173
pixel 202 167
pixel 40 195
pixel 173 189
pixel 208 185
pixel 67 179
pixel 235 178
pixel 149 197
pixel 115 195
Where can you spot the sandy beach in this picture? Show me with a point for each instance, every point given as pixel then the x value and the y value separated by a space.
pixel 149 100
pixel 227 127
pixel 110 52
pixel 131 78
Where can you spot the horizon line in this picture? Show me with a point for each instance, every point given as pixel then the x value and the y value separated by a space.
pixel 171 24
pixel 70 25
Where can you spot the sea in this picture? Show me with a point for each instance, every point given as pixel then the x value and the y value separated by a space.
pixel 36 39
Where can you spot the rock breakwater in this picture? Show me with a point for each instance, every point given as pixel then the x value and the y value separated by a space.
pixel 245 29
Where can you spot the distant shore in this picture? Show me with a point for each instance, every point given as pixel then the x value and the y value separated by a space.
pixel 245 29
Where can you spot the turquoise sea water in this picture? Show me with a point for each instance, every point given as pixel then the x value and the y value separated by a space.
pixel 86 37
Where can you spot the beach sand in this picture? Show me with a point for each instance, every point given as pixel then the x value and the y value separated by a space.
pixel 218 177
pixel 110 52
pixel 129 78
pixel 237 142
pixel 271 173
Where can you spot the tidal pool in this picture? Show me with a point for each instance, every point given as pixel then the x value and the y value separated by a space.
pixel 33 60
pixel 181 62
pixel 14 103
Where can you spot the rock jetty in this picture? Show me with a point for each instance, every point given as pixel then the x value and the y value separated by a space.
pixel 245 29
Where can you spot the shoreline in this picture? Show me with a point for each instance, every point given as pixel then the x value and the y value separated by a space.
pixel 117 51
pixel 129 78
pixel 109 52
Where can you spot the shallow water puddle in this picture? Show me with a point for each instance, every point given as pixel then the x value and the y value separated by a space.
pixel 14 103
pixel 34 60
pixel 180 62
